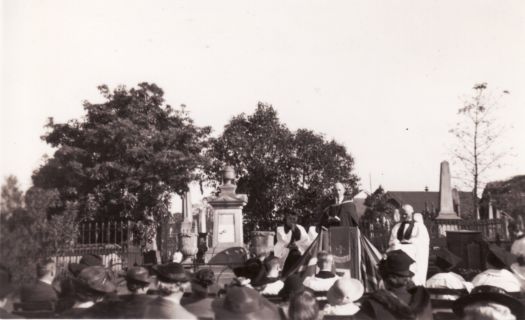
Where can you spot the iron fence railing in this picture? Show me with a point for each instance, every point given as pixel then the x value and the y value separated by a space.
pixel 495 230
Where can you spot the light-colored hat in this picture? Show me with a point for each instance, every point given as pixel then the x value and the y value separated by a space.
pixel 345 290
pixel 518 247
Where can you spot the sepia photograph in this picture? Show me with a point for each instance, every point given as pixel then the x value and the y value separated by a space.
pixel 291 160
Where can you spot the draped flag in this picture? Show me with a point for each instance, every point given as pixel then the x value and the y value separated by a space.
pixel 353 254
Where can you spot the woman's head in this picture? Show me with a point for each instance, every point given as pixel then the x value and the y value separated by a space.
pixel 396 281
pixel 93 283
pixel 303 306
pixel 201 280
pixel 395 269
pixel 172 278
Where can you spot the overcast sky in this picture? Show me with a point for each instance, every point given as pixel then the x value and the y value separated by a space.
pixel 384 78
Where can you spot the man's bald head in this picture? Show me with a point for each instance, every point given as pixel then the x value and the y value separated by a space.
pixel 406 212
pixel 339 189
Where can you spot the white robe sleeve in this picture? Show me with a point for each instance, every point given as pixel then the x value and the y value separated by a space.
pixel 394 243
pixel 280 249
pixel 421 242
pixel 304 242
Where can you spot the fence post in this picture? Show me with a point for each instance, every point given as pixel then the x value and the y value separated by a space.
pixel 89 232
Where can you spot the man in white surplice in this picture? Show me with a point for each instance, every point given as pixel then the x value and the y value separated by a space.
pixel 412 237
pixel 422 242
pixel 292 242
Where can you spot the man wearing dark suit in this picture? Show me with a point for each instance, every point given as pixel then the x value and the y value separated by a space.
pixel 42 290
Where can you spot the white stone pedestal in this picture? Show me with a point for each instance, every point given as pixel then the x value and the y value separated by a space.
pixel 227 238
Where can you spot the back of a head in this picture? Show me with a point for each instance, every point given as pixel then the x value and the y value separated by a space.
pixel 45 267
pixel 325 260
pixel 487 311
pixel 396 281
pixel 273 263
pixel 93 283
pixel 303 306
pixel 172 278
pixel 137 278
pixel 202 279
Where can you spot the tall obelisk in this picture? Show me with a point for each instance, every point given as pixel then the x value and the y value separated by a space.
pixel 446 206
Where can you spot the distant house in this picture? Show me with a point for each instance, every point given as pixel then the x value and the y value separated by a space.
pixel 427 202
pixel 506 197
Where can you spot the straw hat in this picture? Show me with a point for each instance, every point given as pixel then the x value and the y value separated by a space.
pixel 345 290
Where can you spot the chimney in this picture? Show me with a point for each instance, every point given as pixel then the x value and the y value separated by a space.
pixel 446 205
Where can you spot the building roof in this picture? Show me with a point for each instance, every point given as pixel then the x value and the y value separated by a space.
pixel 422 201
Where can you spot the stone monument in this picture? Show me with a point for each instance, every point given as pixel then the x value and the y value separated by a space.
pixel 188 236
pixel 446 205
pixel 227 241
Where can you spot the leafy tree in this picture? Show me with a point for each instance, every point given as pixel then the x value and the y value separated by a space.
pixel 478 134
pixel 27 233
pixel 317 165
pixel 279 169
pixel 12 197
pixel 377 206
pixel 124 157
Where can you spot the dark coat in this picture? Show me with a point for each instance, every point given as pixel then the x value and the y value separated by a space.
pixel 6 315
pixel 161 308
pixel 38 292
pixel 201 308
pixel 130 306
pixel 397 304
pixel 76 313
pixel 345 211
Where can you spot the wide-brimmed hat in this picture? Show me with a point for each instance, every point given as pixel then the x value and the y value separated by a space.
pixel 244 303
pixel 138 274
pixel 498 255
pixel 489 294
pixel 87 260
pixel 446 260
pixel 96 278
pixel 5 282
pixel 345 290
pixel 171 273
pixel 397 262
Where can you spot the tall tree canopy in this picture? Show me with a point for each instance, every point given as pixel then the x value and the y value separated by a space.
pixel 124 157
pixel 26 231
pixel 377 206
pixel 280 169
pixel 12 197
pixel 478 136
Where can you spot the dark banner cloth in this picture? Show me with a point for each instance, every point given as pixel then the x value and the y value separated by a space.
pixel 352 252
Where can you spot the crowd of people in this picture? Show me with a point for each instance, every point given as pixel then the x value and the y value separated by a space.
pixel 169 291
pixel 272 285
